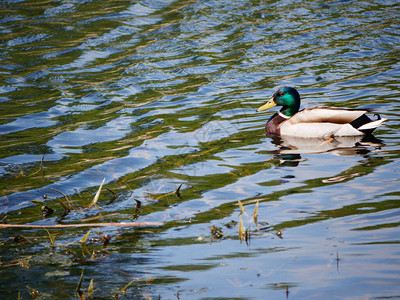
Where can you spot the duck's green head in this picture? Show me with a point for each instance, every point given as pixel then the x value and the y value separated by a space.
pixel 287 97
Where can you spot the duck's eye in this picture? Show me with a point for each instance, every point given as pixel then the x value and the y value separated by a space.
pixel 281 94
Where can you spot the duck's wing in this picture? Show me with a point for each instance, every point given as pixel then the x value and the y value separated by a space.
pixel 325 114
pixel 325 122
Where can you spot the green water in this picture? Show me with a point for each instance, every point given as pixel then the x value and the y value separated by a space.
pixel 151 95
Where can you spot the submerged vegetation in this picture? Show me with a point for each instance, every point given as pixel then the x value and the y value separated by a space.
pixel 82 248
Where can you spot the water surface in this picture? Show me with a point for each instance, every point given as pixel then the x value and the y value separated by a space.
pixel 154 94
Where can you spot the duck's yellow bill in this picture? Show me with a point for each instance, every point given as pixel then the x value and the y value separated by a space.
pixel 271 103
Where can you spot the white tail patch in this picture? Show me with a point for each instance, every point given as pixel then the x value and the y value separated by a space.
pixel 372 125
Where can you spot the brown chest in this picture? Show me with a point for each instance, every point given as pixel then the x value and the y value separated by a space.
pixel 273 124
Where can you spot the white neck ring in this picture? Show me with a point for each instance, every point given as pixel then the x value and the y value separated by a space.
pixel 283 116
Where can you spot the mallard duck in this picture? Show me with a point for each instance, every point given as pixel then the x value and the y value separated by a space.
pixel 316 122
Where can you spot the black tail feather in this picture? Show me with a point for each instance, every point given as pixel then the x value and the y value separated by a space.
pixel 360 121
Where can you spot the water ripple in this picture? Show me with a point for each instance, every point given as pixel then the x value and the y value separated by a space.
pixel 153 94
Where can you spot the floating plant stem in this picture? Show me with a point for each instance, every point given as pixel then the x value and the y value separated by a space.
pixel 247 236
pixel 78 288
pixel 96 197
pixel 115 196
pixel 241 229
pixel 123 290
pixel 84 238
pixel 100 217
pixel 91 289
pixel 52 239
pixel 38 202
pixel 241 208
pixel 137 209
pixel 178 191
pixel 67 210
pixel 40 168
pixel 255 213
pixel 65 196
pixel 22 262
pixel 113 224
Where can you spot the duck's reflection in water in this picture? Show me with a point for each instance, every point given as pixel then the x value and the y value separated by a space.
pixel 291 148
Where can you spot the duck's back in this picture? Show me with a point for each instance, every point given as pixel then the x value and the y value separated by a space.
pixel 325 114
